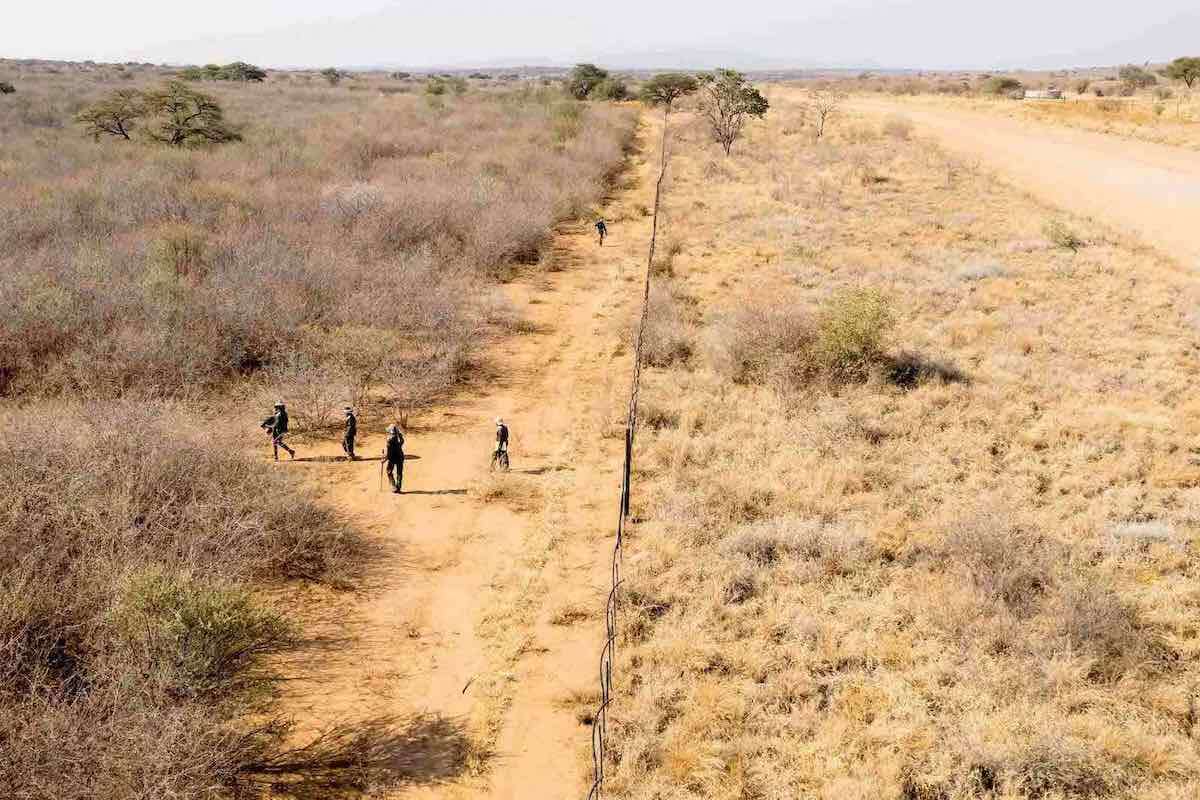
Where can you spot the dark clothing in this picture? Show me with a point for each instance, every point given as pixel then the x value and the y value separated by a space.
pixel 351 432
pixel 601 229
pixel 501 437
pixel 395 473
pixel 395 449
pixel 394 457
pixel 277 425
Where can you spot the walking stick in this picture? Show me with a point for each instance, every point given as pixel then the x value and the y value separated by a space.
pixel 382 458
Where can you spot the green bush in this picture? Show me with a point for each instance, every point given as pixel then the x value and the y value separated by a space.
pixel 583 79
pixel 194 637
pixel 1059 235
pixel 1136 77
pixel 236 71
pixel 7 88
pixel 1002 85
pixel 435 86
pixel 852 332
pixel 610 89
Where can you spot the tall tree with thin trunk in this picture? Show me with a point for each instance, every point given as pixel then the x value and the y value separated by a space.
pixel 728 102
pixel 666 88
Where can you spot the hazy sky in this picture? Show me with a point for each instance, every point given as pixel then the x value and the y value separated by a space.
pixel 892 33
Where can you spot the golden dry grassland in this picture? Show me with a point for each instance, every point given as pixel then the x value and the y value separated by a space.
pixel 1173 120
pixel 918 487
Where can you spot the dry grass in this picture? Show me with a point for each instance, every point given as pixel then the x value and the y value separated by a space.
pixel 1173 121
pixel 348 248
pixel 131 636
pixel 344 214
pixel 966 573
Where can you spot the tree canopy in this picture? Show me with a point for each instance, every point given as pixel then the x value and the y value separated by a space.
pixel 1135 76
pixel 666 88
pixel 1185 69
pixel 115 115
pixel 728 101
pixel 236 71
pixel 583 79
pixel 181 115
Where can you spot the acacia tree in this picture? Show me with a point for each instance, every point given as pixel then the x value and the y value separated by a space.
pixel 333 75
pixel 728 101
pixel 1135 77
pixel 183 116
pixel 1184 69
pixel 115 115
pixel 666 88
pixel 825 104
pixel 583 79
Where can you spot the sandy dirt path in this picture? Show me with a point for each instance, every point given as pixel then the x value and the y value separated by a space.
pixel 487 613
pixel 1149 190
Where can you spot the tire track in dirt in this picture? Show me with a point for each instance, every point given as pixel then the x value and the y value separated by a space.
pixel 488 613
pixel 1150 190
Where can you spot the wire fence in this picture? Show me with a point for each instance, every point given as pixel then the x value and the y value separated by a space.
pixel 608 654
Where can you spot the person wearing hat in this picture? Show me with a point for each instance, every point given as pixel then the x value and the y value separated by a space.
pixel 501 452
pixel 351 432
pixel 602 229
pixel 277 426
pixel 393 456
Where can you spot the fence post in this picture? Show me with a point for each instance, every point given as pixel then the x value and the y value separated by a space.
pixel 626 478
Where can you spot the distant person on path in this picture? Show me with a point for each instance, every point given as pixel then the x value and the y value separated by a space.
pixel 351 432
pixel 277 426
pixel 602 229
pixel 501 452
pixel 393 456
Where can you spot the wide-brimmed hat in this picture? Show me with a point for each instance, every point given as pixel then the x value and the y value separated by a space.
pixel 499 421
pixel 347 410
pixel 279 404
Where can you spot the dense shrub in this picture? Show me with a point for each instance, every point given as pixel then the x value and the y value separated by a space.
pixel 7 88
pixel 126 630
pixel 790 347
pixel 237 71
pixel 610 89
pixel 174 272
pixel 1002 85
pixel 583 79
pixel 1136 77
pixel 1059 235
pixel 852 332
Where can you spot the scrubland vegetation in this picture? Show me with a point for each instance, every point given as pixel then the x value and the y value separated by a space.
pixel 916 520
pixel 344 248
pixel 1158 105
pixel 342 217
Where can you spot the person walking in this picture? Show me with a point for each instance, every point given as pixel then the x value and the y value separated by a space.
pixel 393 457
pixel 602 229
pixel 500 454
pixel 351 432
pixel 276 426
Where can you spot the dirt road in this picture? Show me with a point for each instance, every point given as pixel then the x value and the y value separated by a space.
pixel 485 610
pixel 1150 190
